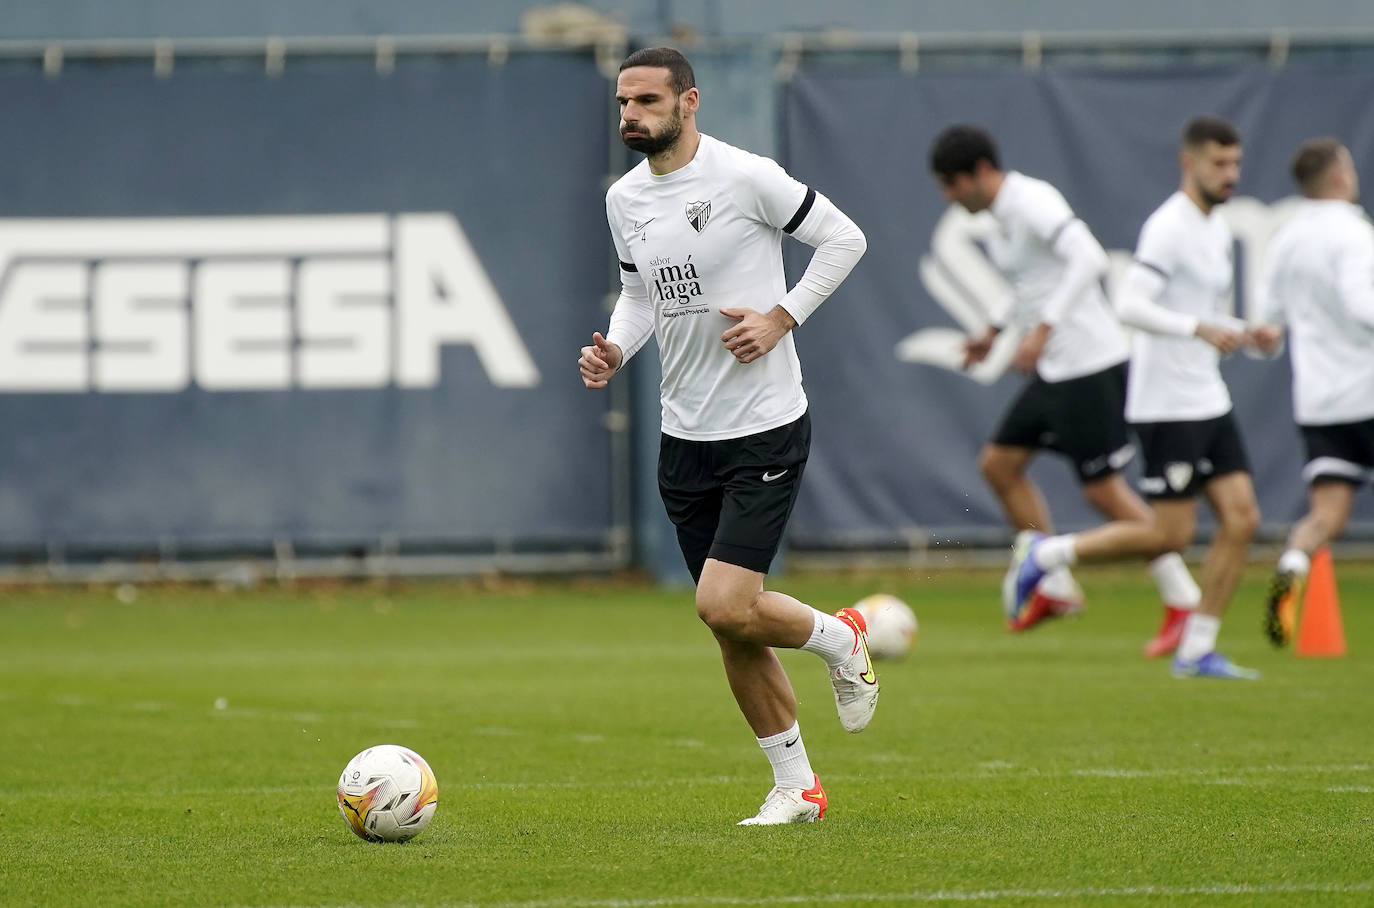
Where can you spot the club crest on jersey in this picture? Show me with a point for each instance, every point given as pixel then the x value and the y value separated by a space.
pixel 698 213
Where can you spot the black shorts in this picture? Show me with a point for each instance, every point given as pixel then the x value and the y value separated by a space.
pixel 1080 418
pixel 730 499
pixel 1182 457
pixel 1341 451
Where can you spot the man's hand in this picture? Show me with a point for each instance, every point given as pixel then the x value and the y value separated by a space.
pixel 599 361
pixel 1224 339
pixel 976 349
pixel 1031 347
pixel 1266 338
pixel 755 333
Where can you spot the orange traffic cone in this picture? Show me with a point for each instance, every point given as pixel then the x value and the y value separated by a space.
pixel 1319 628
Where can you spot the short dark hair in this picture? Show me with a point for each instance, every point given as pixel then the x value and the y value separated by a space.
pixel 959 148
pixel 1313 160
pixel 1209 128
pixel 680 75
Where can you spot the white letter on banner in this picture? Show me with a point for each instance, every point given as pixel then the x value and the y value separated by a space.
pixel 344 323
pixel 443 296
pixel 243 325
pixel 44 332
pixel 140 320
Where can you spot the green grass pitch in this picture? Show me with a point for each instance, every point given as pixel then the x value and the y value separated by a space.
pixel 588 752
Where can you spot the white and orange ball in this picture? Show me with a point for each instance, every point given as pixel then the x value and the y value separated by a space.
pixel 892 625
pixel 387 793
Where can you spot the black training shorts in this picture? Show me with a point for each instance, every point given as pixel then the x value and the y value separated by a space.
pixel 730 499
pixel 1080 418
pixel 1339 451
pixel 1182 457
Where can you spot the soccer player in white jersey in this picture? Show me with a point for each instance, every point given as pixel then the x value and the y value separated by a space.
pixel 1319 276
pixel 698 228
pixel 1075 352
pixel 1178 293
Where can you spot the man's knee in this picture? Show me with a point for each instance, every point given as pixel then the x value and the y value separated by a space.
pixel 1112 497
pixel 998 470
pixel 1240 521
pixel 1174 538
pixel 723 609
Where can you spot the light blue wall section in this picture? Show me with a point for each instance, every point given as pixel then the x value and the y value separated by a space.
pixel 185 18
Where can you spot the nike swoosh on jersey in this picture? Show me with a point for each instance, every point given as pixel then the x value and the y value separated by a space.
pixel 640 226
pixel 769 477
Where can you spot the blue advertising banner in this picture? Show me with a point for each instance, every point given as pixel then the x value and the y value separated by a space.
pixel 330 306
pixel 897 425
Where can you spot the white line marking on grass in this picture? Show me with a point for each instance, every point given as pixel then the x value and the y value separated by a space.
pixel 1229 771
pixel 946 895
pixel 958 895
pixel 1352 789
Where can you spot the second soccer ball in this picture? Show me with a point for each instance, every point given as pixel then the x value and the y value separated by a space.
pixel 892 625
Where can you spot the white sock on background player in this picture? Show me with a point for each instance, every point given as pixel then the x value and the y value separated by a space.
pixel 1176 585
pixel 1199 637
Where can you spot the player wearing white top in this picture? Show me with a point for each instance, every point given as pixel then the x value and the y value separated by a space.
pixel 1178 294
pixel 1319 276
pixel 1075 353
pixel 698 227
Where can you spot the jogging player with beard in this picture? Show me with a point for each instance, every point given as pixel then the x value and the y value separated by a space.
pixel 698 229
pixel 1178 293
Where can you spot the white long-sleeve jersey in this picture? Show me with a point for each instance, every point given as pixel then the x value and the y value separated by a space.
pixel 1183 274
pixel 1055 267
pixel 1319 277
pixel 706 237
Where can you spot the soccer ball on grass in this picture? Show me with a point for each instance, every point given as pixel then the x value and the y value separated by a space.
pixel 891 624
pixel 387 794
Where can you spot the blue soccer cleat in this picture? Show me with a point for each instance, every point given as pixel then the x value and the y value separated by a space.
pixel 1214 665
pixel 1022 577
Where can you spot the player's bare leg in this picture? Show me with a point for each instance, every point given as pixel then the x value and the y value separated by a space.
pixel 732 602
pixel 1004 467
pixel 1329 502
pixel 1328 510
pixel 747 622
pixel 1035 555
pixel 1114 499
pixel 1233 500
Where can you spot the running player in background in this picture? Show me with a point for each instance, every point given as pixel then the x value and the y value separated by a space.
pixel 1075 353
pixel 1179 294
pixel 698 228
pixel 1319 277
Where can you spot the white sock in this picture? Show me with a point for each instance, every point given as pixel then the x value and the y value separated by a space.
pixel 1199 637
pixel 1056 552
pixel 831 639
pixel 1295 561
pixel 1059 584
pixel 1176 586
pixel 787 753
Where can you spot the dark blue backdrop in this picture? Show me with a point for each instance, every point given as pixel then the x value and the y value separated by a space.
pixel 461 461
pixel 895 442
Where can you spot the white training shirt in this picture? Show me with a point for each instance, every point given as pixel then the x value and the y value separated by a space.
pixel 1319 273
pixel 1055 268
pixel 706 237
pixel 1184 266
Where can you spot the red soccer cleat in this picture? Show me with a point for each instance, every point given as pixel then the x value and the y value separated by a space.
pixel 1041 608
pixel 1165 641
